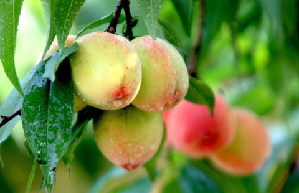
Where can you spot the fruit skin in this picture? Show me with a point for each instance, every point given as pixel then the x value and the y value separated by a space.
pixel 192 129
pixel 164 75
pixel 106 70
pixel 128 137
pixel 78 103
pixel 250 148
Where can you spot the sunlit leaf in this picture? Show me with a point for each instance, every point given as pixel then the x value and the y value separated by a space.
pixel 9 19
pixel 53 63
pixel 65 13
pixel 11 104
pixel 47 115
pixel 184 9
pixel 149 10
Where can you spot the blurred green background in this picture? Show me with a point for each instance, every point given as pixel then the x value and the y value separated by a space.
pixel 249 53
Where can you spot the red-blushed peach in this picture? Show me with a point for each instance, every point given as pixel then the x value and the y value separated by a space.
pixel 78 103
pixel 106 70
pixel 128 137
pixel 164 75
pixel 192 129
pixel 250 148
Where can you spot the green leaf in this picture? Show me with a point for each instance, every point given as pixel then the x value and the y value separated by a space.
pixel 194 180
pixel 103 20
pixel 53 63
pixel 47 115
pixel 9 19
pixel 184 9
pixel 11 104
pixel 149 10
pixel 200 93
pixel 49 8
pixel 31 177
pixel 170 33
pixel 65 13
pixel 150 166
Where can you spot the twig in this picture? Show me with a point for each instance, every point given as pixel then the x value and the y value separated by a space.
pixel 6 119
pixel 197 48
pixel 114 21
pixel 128 32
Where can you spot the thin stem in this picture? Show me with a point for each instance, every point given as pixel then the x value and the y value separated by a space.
pixel 128 32
pixel 198 42
pixel 6 119
pixel 114 21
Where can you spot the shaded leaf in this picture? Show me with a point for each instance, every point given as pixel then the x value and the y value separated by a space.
pixel 65 13
pixel 170 33
pixel 53 63
pixel 184 9
pixel 103 20
pixel 47 115
pixel 49 8
pixel 193 180
pixel 149 10
pixel 9 19
pixel 200 93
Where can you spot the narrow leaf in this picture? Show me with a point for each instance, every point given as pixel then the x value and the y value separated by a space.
pixel 47 118
pixel 102 21
pixel 9 19
pixel 170 33
pixel 200 93
pixel 53 63
pixel 49 8
pixel 184 9
pixel 151 165
pixel 65 13
pixel 194 180
pixel 11 104
pixel 149 10
pixel 31 177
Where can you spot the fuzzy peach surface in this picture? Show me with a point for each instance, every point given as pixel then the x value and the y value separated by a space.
pixel 192 129
pixel 250 148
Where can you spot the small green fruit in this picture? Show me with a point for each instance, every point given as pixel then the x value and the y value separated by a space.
pixel 128 137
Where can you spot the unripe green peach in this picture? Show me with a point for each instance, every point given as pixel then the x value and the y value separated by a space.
pixel 78 103
pixel 164 75
pixel 128 137
pixel 250 148
pixel 106 70
pixel 192 129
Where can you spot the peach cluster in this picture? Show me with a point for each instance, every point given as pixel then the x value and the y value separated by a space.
pixel 234 140
pixel 133 82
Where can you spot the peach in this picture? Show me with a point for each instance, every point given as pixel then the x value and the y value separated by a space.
pixel 250 148
pixel 192 129
pixel 106 70
pixel 164 75
pixel 78 103
pixel 128 137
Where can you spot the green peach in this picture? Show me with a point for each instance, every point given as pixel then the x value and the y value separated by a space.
pixel 128 137
pixel 106 70
pixel 164 75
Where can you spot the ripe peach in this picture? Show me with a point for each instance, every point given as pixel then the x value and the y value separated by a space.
pixel 128 137
pixel 78 103
pixel 164 75
pixel 250 148
pixel 192 129
pixel 106 70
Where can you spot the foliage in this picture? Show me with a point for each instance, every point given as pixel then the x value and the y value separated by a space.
pixel 247 50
